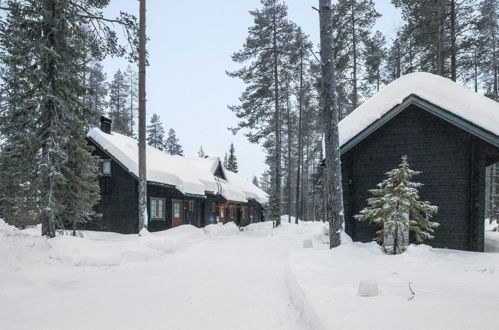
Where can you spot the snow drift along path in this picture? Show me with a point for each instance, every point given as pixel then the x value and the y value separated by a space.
pixel 220 279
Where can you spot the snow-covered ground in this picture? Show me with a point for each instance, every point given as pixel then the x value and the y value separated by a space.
pixel 222 278
pixel 491 236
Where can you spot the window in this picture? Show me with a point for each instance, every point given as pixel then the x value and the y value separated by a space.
pixel 106 167
pixel 244 211
pixel 157 208
pixel 176 210
pixel 191 206
pixel 213 207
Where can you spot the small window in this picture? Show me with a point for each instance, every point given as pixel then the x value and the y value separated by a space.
pixel 157 208
pixel 213 207
pixel 191 206
pixel 176 210
pixel 106 167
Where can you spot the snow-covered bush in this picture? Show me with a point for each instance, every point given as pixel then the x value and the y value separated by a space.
pixel 396 207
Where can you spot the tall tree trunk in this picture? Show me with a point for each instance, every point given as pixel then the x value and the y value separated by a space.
pixel 300 142
pixel 330 117
pixel 288 108
pixel 277 151
pixel 438 34
pixel 355 96
pixel 142 119
pixel 453 51
pixel 131 103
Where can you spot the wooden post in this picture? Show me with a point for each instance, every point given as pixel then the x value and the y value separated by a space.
pixel 142 118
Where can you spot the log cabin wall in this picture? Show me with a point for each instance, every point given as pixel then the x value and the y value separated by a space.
pixel 452 162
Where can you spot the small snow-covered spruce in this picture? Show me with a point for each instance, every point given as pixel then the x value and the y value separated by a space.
pixel 396 207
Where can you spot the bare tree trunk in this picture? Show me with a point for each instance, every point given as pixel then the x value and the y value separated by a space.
pixel 300 142
pixel 142 119
pixel 277 151
pixel 355 97
pixel 438 34
pixel 330 116
pixel 288 108
pixel 453 51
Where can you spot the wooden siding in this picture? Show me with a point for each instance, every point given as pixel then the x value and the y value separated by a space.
pixel 453 166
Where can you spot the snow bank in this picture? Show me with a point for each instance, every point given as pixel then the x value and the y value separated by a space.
pixel 453 289
pixel 27 247
pixel 440 91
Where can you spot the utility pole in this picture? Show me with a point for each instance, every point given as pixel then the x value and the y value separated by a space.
pixel 330 114
pixel 142 118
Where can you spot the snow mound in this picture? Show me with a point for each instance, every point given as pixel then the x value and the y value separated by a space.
pixel 453 289
pixel 227 229
pixel 95 249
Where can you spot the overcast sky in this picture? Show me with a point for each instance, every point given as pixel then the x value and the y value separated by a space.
pixel 190 49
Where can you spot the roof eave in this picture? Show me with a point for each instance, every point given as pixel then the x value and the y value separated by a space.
pixel 444 114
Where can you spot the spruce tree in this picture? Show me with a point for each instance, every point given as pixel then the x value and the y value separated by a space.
pixel 266 54
pixel 255 181
pixel 155 132
pixel 396 208
pixel 171 144
pixel 118 98
pixel 232 159
pixel 226 161
pixel 45 46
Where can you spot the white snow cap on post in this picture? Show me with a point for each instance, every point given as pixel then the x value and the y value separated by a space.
pixel 368 288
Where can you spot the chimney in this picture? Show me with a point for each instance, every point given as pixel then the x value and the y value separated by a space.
pixel 105 125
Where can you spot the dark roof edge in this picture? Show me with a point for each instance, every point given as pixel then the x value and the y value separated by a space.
pixel 444 114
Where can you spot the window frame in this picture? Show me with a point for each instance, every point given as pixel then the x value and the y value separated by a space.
pixel 105 161
pixel 191 206
pixel 157 199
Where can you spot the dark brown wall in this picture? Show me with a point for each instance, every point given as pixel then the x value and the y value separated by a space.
pixel 453 166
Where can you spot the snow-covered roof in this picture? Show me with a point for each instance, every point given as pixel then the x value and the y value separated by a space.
pixel 193 176
pixel 441 92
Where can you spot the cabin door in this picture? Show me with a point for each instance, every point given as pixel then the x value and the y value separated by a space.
pixel 177 213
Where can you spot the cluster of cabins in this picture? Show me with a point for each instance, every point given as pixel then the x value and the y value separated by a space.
pixel 448 132
pixel 180 190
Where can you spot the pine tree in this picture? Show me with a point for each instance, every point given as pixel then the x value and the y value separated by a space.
pixel 131 78
pixel 118 109
pixel 171 144
pixel 488 47
pixel 44 47
pixel 354 20
pixel 232 159
pixel 201 153
pixel 395 206
pixel 266 52
pixel 155 132
pixel 374 54
pixel 330 115
pixel 226 161
pixel 97 90
pixel 255 181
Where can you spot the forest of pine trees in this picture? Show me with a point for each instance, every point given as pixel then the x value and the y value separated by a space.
pixel 46 95
pixel 279 107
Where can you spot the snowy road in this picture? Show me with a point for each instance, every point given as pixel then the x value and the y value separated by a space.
pixel 220 282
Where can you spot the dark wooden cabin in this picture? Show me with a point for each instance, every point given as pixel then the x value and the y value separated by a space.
pixel 452 149
pixel 167 206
